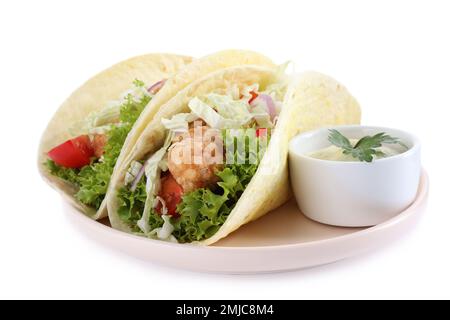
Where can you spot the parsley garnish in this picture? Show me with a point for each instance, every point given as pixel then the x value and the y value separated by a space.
pixel 366 148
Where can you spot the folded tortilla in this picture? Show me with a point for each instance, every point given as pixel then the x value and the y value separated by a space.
pixel 311 100
pixel 108 86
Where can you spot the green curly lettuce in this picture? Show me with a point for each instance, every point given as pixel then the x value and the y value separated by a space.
pixel 93 180
pixel 69 175
pixel 203 211
pixel 131 207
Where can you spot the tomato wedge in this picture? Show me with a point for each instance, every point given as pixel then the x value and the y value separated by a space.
pixel 261 132
pixel 75 153
pixel 171 192
pixel 254 96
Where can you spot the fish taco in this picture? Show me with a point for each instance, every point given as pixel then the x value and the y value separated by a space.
pixel 98 124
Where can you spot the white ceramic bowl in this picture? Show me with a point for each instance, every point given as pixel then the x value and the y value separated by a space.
pixel 353 194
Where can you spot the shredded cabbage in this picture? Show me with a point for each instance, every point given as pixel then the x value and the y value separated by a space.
pixel 212 118
pixel 106 116
pixel 229 108
pixel 164 163
pixel 233 92
pixel 179 122
pixel 152 170
pixel 132 173
pixel 166 231
pixel 101 122
pixel 153 174
pixel 103 129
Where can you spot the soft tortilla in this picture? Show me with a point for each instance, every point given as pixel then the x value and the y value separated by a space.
pixel 312 100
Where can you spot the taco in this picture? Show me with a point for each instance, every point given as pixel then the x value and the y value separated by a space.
pixel 173 186
pixel 98 124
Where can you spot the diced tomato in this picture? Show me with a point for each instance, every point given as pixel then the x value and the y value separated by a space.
pixel 254 96
pixel 75 153
pixel 261 132
pixel 171 192
pixel 98 144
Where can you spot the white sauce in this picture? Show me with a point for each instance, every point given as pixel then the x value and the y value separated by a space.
pixel 334 153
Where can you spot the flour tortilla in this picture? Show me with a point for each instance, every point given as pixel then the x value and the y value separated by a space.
pixel 312 100
pixel 93 96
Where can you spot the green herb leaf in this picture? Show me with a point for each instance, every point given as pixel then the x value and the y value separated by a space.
pixel 366 148
pixel 339 140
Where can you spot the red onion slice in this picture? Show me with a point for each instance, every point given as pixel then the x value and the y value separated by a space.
pixel 137 178
pixel 156 87
pixel 270 104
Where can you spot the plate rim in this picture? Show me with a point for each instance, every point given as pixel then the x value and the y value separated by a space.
pixel 420 198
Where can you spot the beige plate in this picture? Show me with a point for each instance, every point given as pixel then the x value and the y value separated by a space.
pixel 280 241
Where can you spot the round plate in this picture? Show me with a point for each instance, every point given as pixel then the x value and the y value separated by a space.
pixel 280 241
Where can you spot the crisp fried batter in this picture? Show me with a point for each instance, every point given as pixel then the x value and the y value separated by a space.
pixel 195 157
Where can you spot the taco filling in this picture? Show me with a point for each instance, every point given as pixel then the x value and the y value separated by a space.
pixel 87 161
pixel 185 191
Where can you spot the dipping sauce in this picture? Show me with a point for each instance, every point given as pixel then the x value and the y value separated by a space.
pixel 334 153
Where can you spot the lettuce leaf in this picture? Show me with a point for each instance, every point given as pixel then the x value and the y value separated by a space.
pixel 153 175
pixel 203 211
pixel 132 204
pixel 69 175
pixel 93 180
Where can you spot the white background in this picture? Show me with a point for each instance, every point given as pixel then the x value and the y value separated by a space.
pixel 392 55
